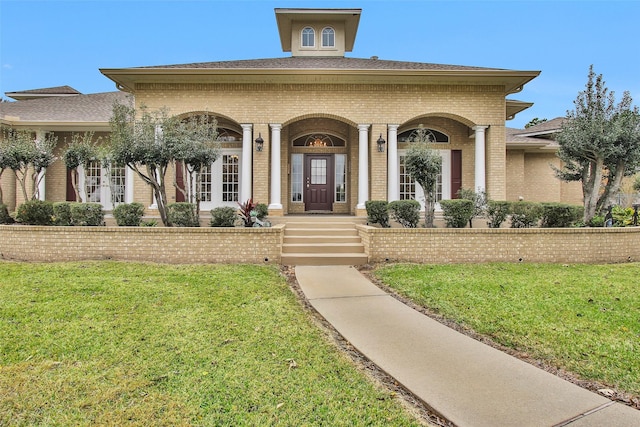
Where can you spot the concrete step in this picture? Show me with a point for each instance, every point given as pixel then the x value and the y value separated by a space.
pixel 323 259
pixel 323 248
pixel 320 232
pixel 313 239
pixel 320 225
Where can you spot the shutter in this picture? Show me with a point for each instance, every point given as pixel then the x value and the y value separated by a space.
pixel 456 172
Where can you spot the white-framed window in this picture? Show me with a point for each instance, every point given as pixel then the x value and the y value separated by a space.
pixel 104 185
pixel 297 178
pixel 409 189
pixel 341 178
pixel 328 37
pixel 308 38
pixel 220 182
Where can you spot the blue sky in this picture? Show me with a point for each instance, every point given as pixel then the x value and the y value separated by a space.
pixel 54 42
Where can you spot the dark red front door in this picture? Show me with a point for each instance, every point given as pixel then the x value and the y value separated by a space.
pixel 318 182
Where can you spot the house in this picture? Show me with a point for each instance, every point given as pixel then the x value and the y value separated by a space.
pixel 317 131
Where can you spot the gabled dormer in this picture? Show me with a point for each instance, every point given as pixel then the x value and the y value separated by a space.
pixel 317 32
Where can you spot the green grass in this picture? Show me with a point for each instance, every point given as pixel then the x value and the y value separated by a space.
pixel 583 318
pixel 106 343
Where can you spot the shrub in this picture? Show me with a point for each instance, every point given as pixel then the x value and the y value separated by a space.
pixel 87 214
pixel 622 217
pixel 497 212
pixel 62 214
pixel 5 218
pixel 129 214
pixel 262 211
pixel 560 215
pixel 149 223
pixel 525 214
pixel 182 214
pixel 405 212
pixel 35 212
pixel 378 212
pixel 597 221
pixel 479 202
pixel 457 212
pixel 223 217
pixel 245 212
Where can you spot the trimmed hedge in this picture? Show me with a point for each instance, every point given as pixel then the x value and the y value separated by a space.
pixel 35 212
pixel 87 214
pixel 378 212
pixel 182 214
pixel 560 215
pixel 224 216
pixel 525 214
pixel 497 212
pixel 405 212
pixel 129 214
pixel 62 214
pixel 457 212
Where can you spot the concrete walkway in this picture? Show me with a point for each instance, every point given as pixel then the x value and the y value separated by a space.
pixel 465 381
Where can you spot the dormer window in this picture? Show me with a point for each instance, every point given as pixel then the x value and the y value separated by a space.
pixel 328 37
pixel 308 37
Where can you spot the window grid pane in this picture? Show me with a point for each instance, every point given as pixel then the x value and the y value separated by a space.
pixel 118 174
pixel 93 182
pixel 296 178
pixel 308 37
pixel 407 185
pixel 205 184
pixel 328 37
pixel 230 178
pixel 341 178
pixel 318 171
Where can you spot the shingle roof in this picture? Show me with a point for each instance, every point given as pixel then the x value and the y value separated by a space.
pixel 58 90
pixel 95 107
pixel 550 126
pixel 318 63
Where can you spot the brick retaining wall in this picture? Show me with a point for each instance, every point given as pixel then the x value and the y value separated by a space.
pixel 156 244
pixel 442 245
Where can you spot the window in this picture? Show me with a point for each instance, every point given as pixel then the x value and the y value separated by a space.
pixel 328 37
pixel 118 183
pixel 308 37
pixel 230 178
pixel 102 184
pixel 407 185
pixel 409 189
pixel 341 178
pixel 205 184
pixel 296 177
pixel 93 182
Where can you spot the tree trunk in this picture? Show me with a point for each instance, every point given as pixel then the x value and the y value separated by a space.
pixel 591 179
pixel 613 185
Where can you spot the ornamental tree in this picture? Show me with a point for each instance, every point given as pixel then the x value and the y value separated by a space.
pixel 424 165
pixel 599 144
pixel 80 152
pixel 27 157
pixel 149 142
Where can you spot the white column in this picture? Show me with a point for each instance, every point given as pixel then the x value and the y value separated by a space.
pixel 40 137
pixel 393 186
pixel 480 167
pixel 363 165
pixel 246 167
pixel 276 202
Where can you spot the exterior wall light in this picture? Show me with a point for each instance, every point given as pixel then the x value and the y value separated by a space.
pixel 381 143
pixel 259 142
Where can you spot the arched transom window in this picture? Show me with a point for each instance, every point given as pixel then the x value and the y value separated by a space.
pixel 308 37
pixel 328 37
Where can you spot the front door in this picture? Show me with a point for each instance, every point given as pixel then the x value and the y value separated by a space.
pixel 318 181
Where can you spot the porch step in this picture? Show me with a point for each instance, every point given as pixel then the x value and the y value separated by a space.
pixel 322 241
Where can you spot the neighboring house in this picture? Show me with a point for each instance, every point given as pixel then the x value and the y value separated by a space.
pixel 334 129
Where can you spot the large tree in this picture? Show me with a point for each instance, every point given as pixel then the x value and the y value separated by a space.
pixel 149 142
pixel 599 144
pixel 28 158
pixel 424 165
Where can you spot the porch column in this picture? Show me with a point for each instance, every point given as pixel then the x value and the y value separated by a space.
pixel 393 186
pixel 246 179
pixel 276 202
pixel 363 165
pixel 480 167
pixel 40 137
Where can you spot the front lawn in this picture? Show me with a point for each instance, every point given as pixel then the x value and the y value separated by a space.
pixel 582 318
pixel 108 343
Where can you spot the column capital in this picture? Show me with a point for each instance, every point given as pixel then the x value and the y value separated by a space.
pixel 363 128
pixel 480 127
pixel 246 126
pixel 275 126
pixel 392 127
